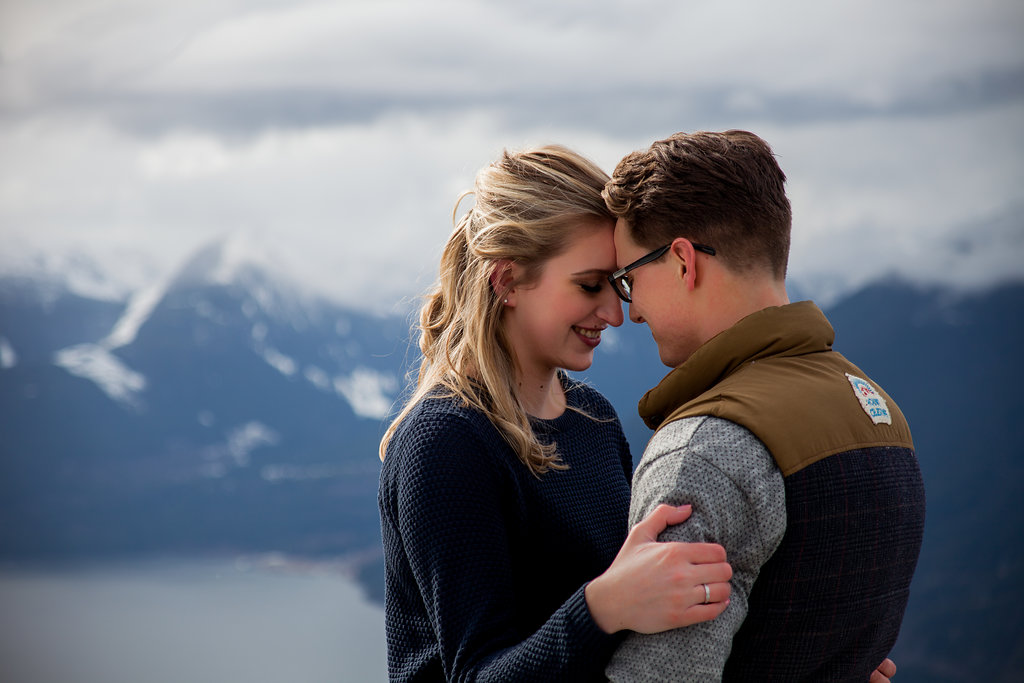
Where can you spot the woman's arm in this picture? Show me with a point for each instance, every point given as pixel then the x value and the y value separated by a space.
pixel 653 586
pixel 454 512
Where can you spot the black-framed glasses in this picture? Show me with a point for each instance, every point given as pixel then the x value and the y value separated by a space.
pixel 622 283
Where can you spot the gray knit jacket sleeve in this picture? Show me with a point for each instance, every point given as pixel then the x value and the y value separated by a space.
pixel 739 501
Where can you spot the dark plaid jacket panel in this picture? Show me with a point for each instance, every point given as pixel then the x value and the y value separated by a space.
pixel 828 605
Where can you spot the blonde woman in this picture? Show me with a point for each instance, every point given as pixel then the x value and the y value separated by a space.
pixel 504 490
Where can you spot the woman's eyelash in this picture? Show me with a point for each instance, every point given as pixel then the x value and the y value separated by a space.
pixel 592 289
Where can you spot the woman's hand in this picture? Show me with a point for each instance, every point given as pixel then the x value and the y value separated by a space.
pixel 652 587
pixel 884 672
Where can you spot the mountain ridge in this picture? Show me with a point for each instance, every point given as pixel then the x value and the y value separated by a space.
pixel 257 426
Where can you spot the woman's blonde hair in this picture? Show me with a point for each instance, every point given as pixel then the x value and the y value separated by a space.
pixel 528 206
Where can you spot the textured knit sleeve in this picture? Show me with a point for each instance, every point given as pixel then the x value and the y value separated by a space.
pixel 738 500
pixel 454 502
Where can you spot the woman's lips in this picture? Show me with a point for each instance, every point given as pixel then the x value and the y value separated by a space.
pixel 591 337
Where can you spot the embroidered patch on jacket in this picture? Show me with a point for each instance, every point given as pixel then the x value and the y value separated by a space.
pixel 870 400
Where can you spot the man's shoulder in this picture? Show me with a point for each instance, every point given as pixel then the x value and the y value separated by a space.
pixel 714 441
pixel 698 430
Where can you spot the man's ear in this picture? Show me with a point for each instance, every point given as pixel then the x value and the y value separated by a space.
pixel 686 261
pixel 502 278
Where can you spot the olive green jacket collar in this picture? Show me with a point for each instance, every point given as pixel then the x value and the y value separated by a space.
pixel 790 330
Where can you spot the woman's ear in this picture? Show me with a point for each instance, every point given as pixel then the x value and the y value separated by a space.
pixel 502 277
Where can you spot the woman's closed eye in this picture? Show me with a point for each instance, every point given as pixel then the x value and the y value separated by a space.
pixel 591 288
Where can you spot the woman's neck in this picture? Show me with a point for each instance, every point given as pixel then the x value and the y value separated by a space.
pixel 541 394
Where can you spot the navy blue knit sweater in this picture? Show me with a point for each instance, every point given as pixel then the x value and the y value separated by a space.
pixel 486 563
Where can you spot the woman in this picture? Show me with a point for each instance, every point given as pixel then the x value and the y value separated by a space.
pixel 505 485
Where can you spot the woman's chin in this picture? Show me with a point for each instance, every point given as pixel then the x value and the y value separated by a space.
pixel 580 364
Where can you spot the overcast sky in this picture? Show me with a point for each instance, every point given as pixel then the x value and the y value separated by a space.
pixel 330 139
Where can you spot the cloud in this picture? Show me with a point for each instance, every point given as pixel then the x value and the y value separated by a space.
pixel 353 210
pixel 240 65
pixel 336 135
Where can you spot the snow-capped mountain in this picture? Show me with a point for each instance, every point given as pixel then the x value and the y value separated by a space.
pixel 205 397
pixel 222 410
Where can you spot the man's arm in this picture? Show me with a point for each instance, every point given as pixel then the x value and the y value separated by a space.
pixel 738 500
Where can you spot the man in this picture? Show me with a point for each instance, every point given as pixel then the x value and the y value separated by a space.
pixel 792 457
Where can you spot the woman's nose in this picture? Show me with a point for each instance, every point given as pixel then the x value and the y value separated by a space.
pixel 611 308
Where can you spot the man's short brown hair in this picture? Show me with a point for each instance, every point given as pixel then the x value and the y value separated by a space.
pixel 725 190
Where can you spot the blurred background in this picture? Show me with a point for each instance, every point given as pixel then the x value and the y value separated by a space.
pixel 216 217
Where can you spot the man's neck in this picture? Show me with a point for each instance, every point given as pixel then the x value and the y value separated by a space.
pixel 738 297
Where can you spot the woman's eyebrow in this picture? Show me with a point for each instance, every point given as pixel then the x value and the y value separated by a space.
pixel 593 271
